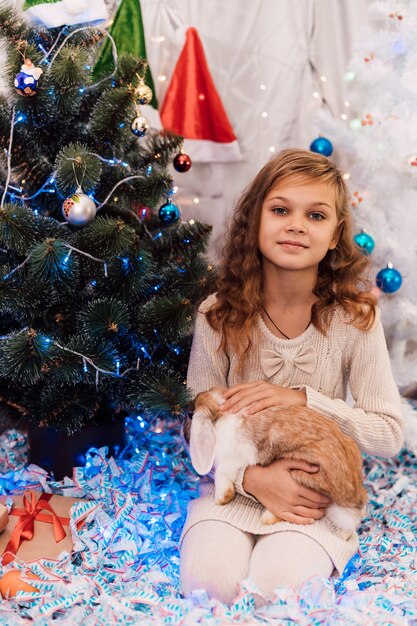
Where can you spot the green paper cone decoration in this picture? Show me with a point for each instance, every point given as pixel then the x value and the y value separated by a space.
pixel 128 34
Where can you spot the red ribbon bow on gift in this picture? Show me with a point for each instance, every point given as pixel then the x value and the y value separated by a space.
pixel 25 527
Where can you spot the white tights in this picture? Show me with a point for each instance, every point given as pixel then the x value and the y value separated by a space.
pixel 215 556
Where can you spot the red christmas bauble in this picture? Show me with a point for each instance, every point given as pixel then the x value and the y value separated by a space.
pixel 182 162
pixel 143 212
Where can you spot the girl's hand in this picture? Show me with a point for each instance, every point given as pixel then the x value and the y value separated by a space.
pixel 277 490
pixel 260 395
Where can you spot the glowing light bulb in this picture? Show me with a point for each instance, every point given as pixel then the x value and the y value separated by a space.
pixel 264 114
pixel 344 116
pixel 162 78
pixel 355 124
pixel 323 78
pixel 196 200
pixel 271 148
pixel 263 87
pixel 316 94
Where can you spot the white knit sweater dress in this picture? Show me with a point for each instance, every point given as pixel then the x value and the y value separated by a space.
pixel 323 367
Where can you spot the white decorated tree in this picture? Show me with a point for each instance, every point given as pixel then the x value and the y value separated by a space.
pixel 375 142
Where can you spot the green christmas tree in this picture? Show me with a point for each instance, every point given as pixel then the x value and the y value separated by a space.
pixel 97 298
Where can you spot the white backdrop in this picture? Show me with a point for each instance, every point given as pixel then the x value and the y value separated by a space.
pixel 267 58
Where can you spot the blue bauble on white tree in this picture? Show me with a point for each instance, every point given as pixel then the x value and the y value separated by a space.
pixel 365 242
pixel 321 145
pixel 389 280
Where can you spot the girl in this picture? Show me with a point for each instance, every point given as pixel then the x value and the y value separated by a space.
pixel 290 324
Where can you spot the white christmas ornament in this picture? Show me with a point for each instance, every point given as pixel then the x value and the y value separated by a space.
pixel 79 209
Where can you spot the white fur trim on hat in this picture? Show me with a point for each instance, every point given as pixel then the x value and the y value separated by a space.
pixel 68 12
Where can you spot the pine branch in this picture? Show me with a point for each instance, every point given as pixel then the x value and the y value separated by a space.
pixel 12 25
pixel 195 280
pixel 52 265
pixel 75 165
pixel 106 237
pixel 17 228
pixel 167 317
pixel 128 277
pixel 67 78
pixel 129 70
pixel 181 241
pixel 158 391
pixel 69 368
pixel 108 121
pixel 158 149
pixel 68 408
pixel 23 356
pixel 104 319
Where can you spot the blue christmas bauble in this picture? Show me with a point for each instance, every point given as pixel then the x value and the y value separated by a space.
pixel 389 279
pixel 321 145
pixel 365 242
pixel 25 84
pixel 169 213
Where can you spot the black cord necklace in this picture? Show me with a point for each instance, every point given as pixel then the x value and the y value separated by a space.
pixel 278 329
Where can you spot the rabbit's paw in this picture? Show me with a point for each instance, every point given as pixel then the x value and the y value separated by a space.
pixel 269 518
pixel 225 494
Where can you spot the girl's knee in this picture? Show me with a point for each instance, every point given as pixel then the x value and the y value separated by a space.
pixel 215 559
pixel 203 572
pixel 292 577
pixel 219 588
pixel 287 560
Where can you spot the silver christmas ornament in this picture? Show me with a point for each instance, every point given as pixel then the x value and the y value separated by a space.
pixel 79 209
pixel 143 93
pixel 140 126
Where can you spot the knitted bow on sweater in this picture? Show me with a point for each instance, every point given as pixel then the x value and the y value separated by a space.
pixel 272 361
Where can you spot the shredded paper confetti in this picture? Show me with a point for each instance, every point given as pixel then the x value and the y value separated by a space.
pixel 125 565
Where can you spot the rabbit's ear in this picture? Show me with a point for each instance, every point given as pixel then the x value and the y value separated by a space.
pixel 202 442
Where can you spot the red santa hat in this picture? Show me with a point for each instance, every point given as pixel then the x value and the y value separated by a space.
pixel 192 108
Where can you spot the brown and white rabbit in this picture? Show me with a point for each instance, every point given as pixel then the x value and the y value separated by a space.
pixel 231 441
